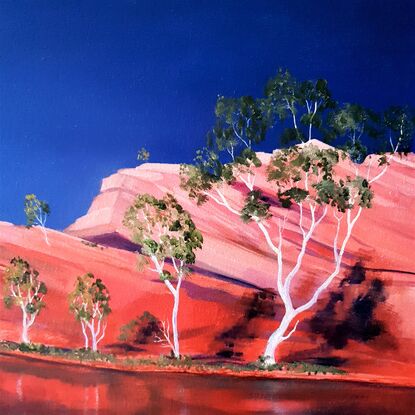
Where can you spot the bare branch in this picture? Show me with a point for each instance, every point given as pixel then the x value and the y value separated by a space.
pixel 291 332
pixel 222 201
pixel 165 331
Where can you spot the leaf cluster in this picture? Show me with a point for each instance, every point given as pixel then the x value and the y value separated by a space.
pixel 23 287
pixel 308 172
pixel 239 120
pixel 256 207
pixel 207 170
pixel 163 229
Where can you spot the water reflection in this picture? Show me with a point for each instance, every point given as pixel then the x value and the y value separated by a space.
pixel 40 388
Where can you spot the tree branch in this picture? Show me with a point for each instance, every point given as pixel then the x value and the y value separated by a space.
pixel 283 338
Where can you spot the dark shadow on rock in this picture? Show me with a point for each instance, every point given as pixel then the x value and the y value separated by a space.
pixel 259 304
pixel 350 312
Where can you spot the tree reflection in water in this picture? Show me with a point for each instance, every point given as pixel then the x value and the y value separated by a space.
pixel 28 387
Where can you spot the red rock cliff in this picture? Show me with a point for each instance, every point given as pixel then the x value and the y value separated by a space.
pixel 235 259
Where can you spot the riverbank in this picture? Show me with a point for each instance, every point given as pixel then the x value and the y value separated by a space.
pixel 246 371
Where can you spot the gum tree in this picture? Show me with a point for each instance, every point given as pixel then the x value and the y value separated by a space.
pixel 309 187
pixel 143 154
pixel 166 233
pixel 24 290
pixel 89 302
pixel 307 103
pixel 357 125
pixel 37 212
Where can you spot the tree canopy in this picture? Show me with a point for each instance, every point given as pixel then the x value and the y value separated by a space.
pixel 163 229
pixel 23 287
pixel 36 210
pixel 90 298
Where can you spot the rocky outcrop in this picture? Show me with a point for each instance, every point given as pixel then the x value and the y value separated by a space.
pixel 228 305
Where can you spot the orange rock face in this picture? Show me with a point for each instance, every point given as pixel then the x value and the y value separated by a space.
pixel 227 304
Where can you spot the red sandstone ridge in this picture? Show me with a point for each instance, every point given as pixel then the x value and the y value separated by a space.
pixel 384 233
pixel 234 260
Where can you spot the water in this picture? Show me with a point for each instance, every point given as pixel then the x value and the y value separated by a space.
pixel 35 388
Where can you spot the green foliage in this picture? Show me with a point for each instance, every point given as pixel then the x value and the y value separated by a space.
pixel 281 92
pixel 140 329
pixel 364 193
pixel 356 124
pixel 290 165
pixel 166 275
pixel 8 301
pixel 185 362
pixel 298 367
pixel 163 229
pixel 399 126
pixel 71 354
pixel 300 173
pixel 255 207
pixel 239 121
pixel 307 100
pixel 334 194
pixel 290 135
pixel 308 172
pixel 36 210
pixel 206 171
pixel 23 287
pixel 143 155
pixel 294 193
pixel 248 158
pixel 89 299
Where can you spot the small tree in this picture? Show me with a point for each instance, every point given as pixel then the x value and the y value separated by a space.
pixel 37 212
pixel 141 329
pixel 143 155
pixel 25 290
pixel 89 301
pixel 357 125
pixel 165 232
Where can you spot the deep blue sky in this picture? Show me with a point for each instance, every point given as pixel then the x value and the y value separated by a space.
pixel 84 84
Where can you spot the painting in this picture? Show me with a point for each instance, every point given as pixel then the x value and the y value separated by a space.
pixel 207 207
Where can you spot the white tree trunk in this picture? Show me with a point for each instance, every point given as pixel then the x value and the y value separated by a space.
pixel 97 333
pixel 41 220
pixel 94 342
pixel 277 337
pixel 175 311
pixel 25 333
pixel 86 340
pixel 93 331
pixel 176 298
pixel 27 322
